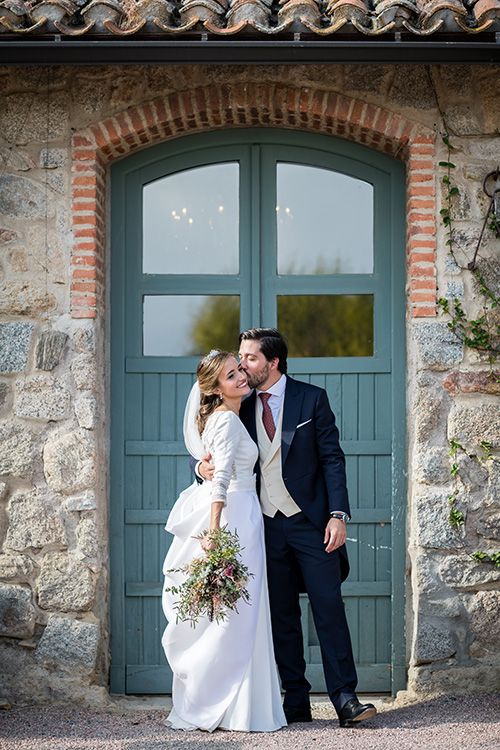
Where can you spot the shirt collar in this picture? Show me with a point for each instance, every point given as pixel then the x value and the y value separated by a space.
pixel 278 389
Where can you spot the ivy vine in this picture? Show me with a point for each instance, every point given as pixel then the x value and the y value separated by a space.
pixel 482 333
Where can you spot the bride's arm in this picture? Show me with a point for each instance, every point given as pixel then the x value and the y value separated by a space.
pixel 223 446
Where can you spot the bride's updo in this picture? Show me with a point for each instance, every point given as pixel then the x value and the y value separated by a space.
pixel 208 372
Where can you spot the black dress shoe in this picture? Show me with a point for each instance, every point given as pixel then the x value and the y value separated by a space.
pixel 353 712
pixel 297 713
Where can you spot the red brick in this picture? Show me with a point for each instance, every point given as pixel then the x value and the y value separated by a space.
pixel 81 141
pixel 420 244
pixel 83 312
pixel 424 312
pixel 422 258
pixel 81 301
pixel 83 260
pixel 87 155
pixel 429 284
pixel 83 286
pixel 422 271
pixel 417 148
pixel 422 297
pixel 416 164
pixel 84 273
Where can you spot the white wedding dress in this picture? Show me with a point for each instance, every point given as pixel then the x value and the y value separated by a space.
pixel 224 674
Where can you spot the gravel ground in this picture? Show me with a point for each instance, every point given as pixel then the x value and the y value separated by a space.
pixel 451 723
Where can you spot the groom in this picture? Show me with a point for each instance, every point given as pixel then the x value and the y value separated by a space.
pixel 302 489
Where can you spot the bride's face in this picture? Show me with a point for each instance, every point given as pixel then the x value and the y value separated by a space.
pixel 232 381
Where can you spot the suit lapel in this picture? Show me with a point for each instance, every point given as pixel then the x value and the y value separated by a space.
pixel 248 416
pixel 291 415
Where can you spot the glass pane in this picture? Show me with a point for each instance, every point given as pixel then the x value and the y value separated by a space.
pixel 191 222
pixel 324 220
pixel 325 325
pixel 184 325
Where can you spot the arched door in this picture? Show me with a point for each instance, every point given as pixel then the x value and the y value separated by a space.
pixel 216 233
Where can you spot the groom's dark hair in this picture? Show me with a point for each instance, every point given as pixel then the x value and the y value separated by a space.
pixel 272 344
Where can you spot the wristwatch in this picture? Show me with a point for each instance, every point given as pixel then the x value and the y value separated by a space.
pixel 341 516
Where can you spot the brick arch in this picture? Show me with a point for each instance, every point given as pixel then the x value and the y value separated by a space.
pixel 248 105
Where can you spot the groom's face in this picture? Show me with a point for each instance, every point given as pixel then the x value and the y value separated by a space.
pixel 259 371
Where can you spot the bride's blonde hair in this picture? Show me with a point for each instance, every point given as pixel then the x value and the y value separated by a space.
pixel 208 372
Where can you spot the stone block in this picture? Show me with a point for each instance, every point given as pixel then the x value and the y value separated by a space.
pixel 364 77
pixel 24 298
pixel 49 349
pixel 7 235
pixel 454 289
pixel 17 451
pixel 473 474
pixel 65 584
pixel 479 381
pixel 472 424
pixel 432 524
pixel 15 567
pixel 484 611
pixel 488 526
pixel 24 117
pixel 18 260
pixel 4 396
pixel 86 412
pixel 17 614
pixel 434 642
pixel 87 537
pixel 42 398
pixel 463 572
pixel 83 368
pixel 23 198
pixel 69 643
pixel 51 158
pixel 438 348
pixel 34 522
pixel 432 466
pixel 462 119
pixel 14 346
pixel 69 462
pixel 84 340
pixel 3 490
pixel 83 502
pixel 412 87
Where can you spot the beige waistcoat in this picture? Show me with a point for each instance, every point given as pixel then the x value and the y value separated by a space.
pixel 274 495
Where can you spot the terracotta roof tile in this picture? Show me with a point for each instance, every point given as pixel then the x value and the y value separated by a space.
pixel 322 18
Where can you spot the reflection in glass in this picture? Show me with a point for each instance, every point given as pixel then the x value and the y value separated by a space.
pixel 191 222
pixel 184 325
pixel 324 325
pixel 324 221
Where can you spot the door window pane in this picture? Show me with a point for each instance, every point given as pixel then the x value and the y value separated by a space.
pixel 324 325
pixel 191 221
pixel 184 325
pixel 324 221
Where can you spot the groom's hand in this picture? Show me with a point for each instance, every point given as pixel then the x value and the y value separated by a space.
pixel 206 468
pixel 335 534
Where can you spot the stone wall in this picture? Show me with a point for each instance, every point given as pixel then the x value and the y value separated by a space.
pixel 54 559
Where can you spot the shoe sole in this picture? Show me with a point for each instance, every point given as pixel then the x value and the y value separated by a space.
pixel 363 716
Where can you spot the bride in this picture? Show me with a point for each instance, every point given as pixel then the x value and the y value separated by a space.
pixel 224 673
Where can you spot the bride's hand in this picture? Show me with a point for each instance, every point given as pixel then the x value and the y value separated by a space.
pixel 207 544
pixel 206 468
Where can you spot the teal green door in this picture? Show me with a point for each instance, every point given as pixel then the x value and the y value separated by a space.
pixel 216 233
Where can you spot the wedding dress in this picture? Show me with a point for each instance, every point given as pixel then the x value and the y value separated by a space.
pixel 224 673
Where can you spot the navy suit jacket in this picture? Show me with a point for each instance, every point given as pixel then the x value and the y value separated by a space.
pixel 313 463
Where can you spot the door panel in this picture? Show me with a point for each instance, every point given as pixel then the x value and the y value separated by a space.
pixel 159 304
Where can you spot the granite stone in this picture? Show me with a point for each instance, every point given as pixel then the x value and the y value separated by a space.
pixel 14 346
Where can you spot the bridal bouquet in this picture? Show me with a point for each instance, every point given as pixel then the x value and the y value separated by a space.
pixel 214 582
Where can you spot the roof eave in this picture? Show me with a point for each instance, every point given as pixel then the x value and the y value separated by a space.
pixel 59 50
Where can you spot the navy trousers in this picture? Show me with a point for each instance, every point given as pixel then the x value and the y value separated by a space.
pixel 295 550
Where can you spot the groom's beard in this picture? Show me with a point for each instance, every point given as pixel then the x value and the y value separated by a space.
pixel 256 379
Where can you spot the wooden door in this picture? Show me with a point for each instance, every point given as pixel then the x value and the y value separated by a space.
pixel 216 233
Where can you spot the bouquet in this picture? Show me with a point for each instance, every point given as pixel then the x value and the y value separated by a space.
pixel 214 582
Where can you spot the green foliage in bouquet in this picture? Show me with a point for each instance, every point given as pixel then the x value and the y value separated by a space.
pixel 215 581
